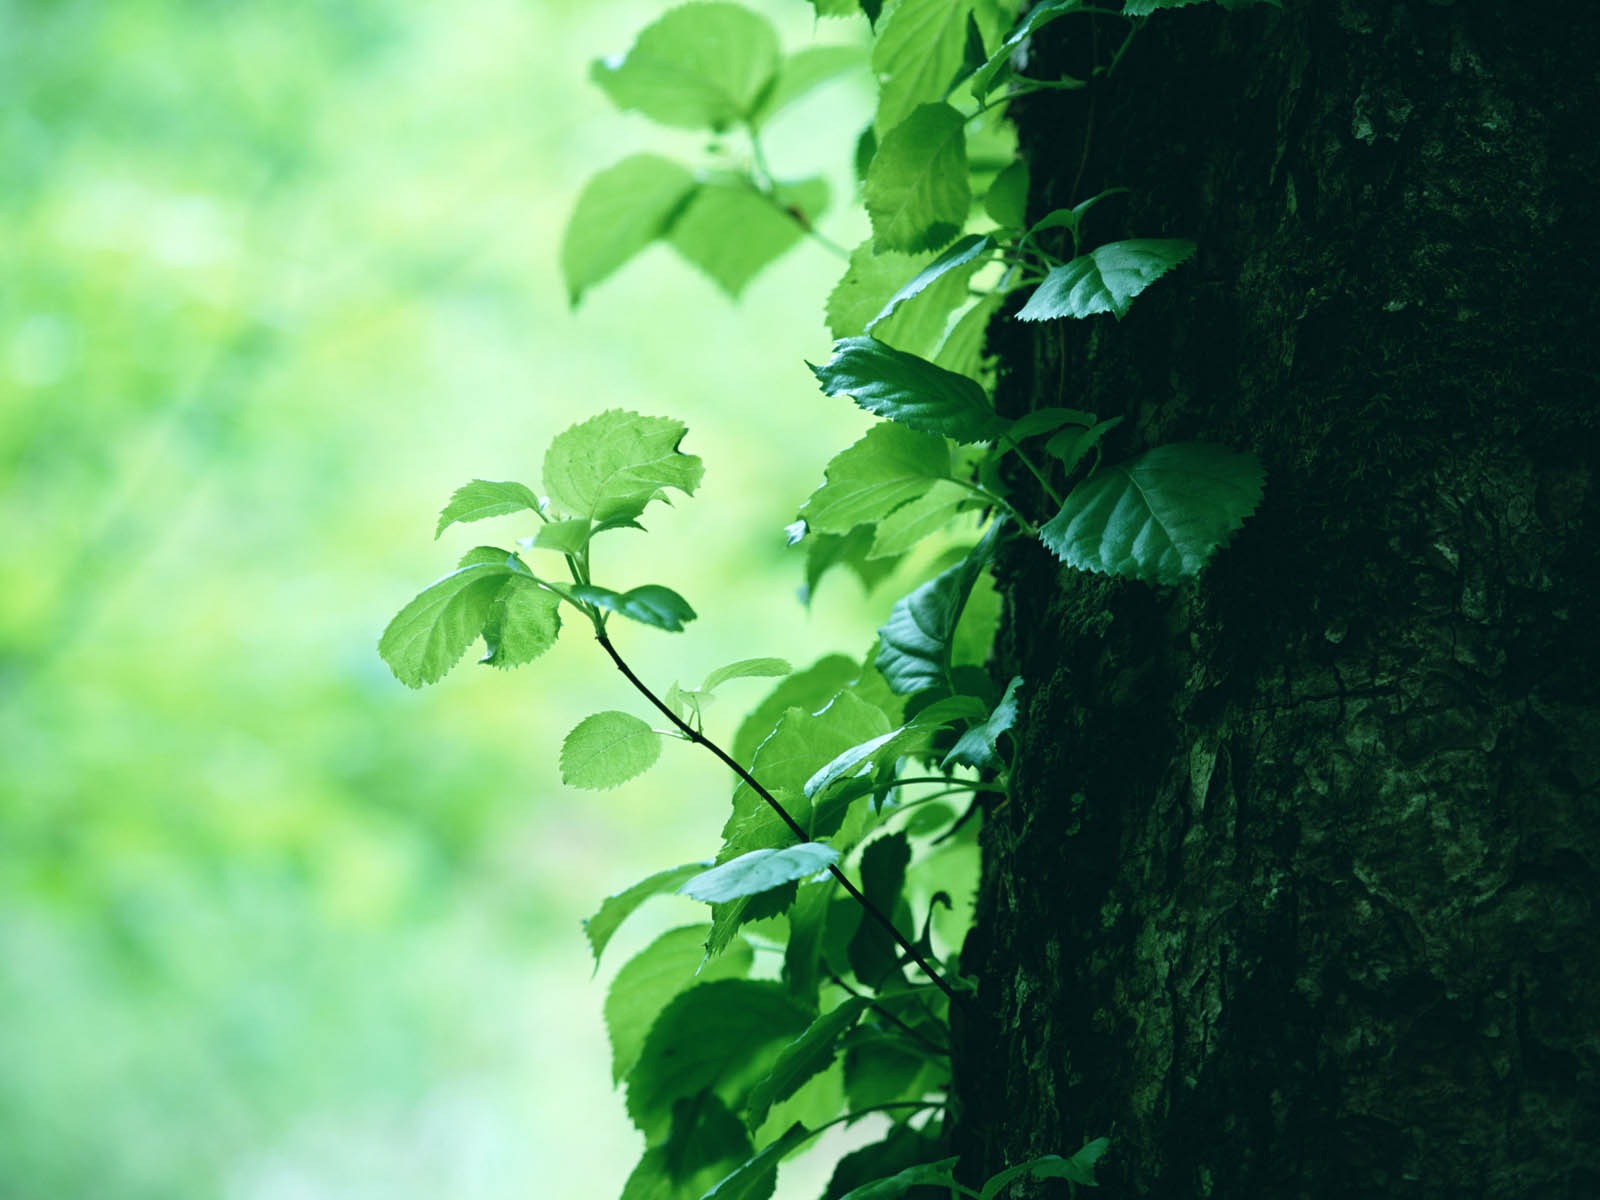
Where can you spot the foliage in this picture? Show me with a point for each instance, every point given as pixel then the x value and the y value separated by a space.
pixel 841 773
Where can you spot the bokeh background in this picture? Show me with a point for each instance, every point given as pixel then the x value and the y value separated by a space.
pixel 275 278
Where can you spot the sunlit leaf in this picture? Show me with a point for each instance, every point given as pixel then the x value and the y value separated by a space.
pixel 759 871
pixel 746 668
pixel 1106 279
pixel 430 634
pixel 960 259
pixel 888 466
pixel 650 979
pixel 649 604
pixel 916 55
pixel 731 231
pixel 908 389
pixel 916 190
pixel 611 466
pixel 804 71
pixel 620 211
pixel 809 1054
pixel 607 749
pixel 480 499
pixel 522 623
pixel 616 909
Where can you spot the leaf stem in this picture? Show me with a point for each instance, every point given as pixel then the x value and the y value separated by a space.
pixel 1044 482
pixel 876 1004
pixel 694 735
pixel 1001 503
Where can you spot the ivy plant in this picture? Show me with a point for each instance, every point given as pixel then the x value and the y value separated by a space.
pixel 857 785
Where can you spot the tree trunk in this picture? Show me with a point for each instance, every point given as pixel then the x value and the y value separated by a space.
pixel 1298 893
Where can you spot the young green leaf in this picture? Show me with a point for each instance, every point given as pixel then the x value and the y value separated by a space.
pixel 889 466
pixel 699 66
pixel 916 192
pixel 963 257
pixel 1106 279
pixel 976 747
pixel 650 979
pixel 759 871
pixel 914 652
pixel 809 1054
pixel 730 230
pixel 903 529
pixel 721 1035
pixel 1077 1169
pixel 480 499
pixel 522 623
pixel 997 69
pixel 757 1178
pixel 746 668
pixel 916 56
pixel 810 690
pixel 616 909
pixel 564 537
pixel 933 1174
pixel 611 466
pixel 649 604
pixel 620 211
pixel 429 635
pixel 908 389
pixel 909 738
pixel 1159 517
pixel 804 71
pixel 607 749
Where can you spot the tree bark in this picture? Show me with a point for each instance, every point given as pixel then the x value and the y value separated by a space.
pixel 1297 894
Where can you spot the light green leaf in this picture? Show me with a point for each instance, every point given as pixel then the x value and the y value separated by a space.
pixel 908 389
pixel 620 211
pixel 607 749
pixel 1006 202
pixel 806 70
pixel 963 258
pixel 976 747
pixel 934 1174
pixel 480 499
pixel 1078 1169
pixel 611 466
pixel 915 644
pixel 1106 279
pixel 757 1178
pixel 647 981
pixel 997 69
pixel 824 551
pixel 1159 517
pixel 909 738
pixel 522 624
pixel 649 604
pixel 904 528
pixel 887 467
pixel 565 537
pixel 731 231
pixel 836 8
pixel 430 634
pixel 809 1054
pixel 746 668
pixel 916 55
pixel 810 690
pixel 616 909
pixel 916 190
pixel 700 66
pixel 759 871
pixel 721 1035
pixel 919 323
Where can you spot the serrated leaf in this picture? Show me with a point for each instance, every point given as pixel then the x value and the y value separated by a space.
pixel 616 909
pixel 759 871
pixel 1077 1169
pixel 976 747
pixel 901 1148
pixel 699 66
pixel 731 231
pixel 916 56
pixel 608 749
pixel 903 529
pixel 649 604
pixel 757 1178
pixel 916 191
pixel 997 69
pixel 804 71
pixel 481 498
pixel 962 259
pixel 962 350
pixel 1159 517
pixel 907 389
pixel 430 634
pixel 705 1141
pixel 914 652
pixel 650 979
pixel 919 324
pixel 721 1035
pixel 611 466
pixel 836 8
pixel 1071 445
pixel 1006 201
pixel 523 623
pixel 934 1174
pixel 1106 279
pixel 746 668
pixel 906 739
pixel 620 211
pixel 810 690
pixel 887 467
pixel 809 1054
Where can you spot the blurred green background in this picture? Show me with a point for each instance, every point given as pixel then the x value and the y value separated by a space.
pixel 274 279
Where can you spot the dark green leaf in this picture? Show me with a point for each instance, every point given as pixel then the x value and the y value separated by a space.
pixel 916 192
pixel 1077 1169
pixel 479 499
pixel 809 1054
pixel 429 635
pixel 903 1147
pixel 650 604
pixel 1071 445
pixel 609 467
pixel 759 871
pixel 801 953
pixel 700 66
pixel 620 211
pixel 1159 517
pixel 963 257
pixel 758 1177
pixel 607 749
pixel 976 747
pixel 1006 202
pixel 651 978
pixel 704 1143
pixel 997 69
pixel 1143 8
pixel 522 624
pixel 908 389
pixel 1047 420
pixel 1106 279
pixel 731 231
pixel 618 908
pixel 914 651
pixel 874 955
pixel 934 1174
pixel 890 465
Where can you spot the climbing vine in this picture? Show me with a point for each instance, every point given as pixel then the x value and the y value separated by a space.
pixel 858 786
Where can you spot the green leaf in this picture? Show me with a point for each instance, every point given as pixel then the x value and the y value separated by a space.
pixel 889 466
pixel 908 389
pixel 908 525
pixel 914 652
pixel 916 191
pixel 1071 445
pixel 616 909
pixel 901 1148
pixel 934 1174
pixel 746 668
pixel 1143 8
pixel 647 981
pixel 976 747
pixel 649 604
pixel 909 738
pixel 479 499
pixel 700 66
pixel 1106 279
pixel 564 537
pixel 611 466
pixel 522 623
pixel 806 70
pixel 919 322
pixel 430 634
pixel 1077 1169
pixel 962 350
pixel 810 690
pixel 607 749
pixel 836 8
pixel 916 55
pixel 824 551
pixel 997 69
pixel 721 1035
pixel 963 257
pixel 620 211
pixel 809 1054
pixel 705 1142
pixel 1159 517
pixel 1006 202
pixel 757 1178
pixel 759 871
pixel 874 955
pixel 1047 420
pixel 731 231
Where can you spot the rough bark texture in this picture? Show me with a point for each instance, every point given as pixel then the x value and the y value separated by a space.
pixel 1297 897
